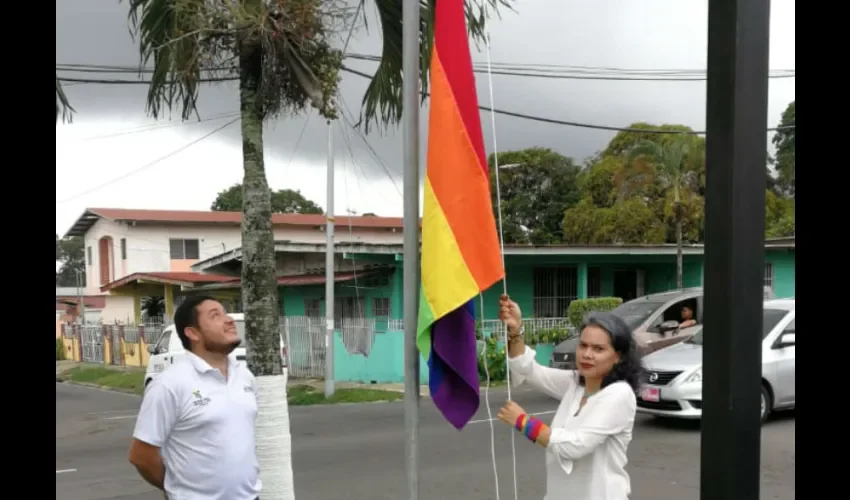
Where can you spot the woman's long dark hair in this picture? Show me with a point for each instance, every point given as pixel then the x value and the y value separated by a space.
pixel 629 368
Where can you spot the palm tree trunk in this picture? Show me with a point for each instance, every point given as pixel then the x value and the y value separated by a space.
pixel 677 207
pixel 260 293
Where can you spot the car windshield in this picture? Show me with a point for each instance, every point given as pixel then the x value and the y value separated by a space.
pixel 769 321
pixel 240 329
pixel 635 312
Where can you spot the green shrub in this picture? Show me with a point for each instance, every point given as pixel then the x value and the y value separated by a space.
pixel 60 350
pixel 494 359
pixel 580 307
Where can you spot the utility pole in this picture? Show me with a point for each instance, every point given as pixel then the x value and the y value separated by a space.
pixel 410 127
pixel 329 271
pixel 735 120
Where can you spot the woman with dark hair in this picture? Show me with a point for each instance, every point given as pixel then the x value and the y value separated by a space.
pixel 587 441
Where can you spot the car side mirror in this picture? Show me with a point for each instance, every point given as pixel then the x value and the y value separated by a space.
pixel 152 349
pixel 787 340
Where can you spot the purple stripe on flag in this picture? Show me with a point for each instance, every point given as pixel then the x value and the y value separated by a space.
pixel 453 365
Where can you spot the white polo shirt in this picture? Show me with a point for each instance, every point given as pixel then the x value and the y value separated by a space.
pixel 204 425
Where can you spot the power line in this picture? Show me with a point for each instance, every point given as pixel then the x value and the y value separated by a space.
pixel 554 121
pixel 508 70
pixel 514 114
pixel 149 164
pixel 158 126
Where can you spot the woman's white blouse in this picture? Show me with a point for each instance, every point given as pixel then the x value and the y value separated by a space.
pixel 586 456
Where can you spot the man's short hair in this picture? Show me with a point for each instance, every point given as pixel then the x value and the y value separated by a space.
pixel 186 316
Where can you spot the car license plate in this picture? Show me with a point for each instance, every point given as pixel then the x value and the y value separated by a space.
pixel 651 394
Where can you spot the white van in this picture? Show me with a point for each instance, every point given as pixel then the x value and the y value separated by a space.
pixel 169 350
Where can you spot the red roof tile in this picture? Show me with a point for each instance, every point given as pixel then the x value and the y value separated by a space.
pixel 93 302
pixel 236 217
pixel 170 278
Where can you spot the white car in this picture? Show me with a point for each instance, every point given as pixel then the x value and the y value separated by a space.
pixel 674 384
pixel 169 350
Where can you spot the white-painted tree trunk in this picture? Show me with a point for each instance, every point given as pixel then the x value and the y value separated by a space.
pixel 274 441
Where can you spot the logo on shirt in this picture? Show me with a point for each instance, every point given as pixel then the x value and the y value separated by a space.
pixel 199 399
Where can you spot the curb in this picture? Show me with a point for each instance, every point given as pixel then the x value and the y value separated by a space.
pixel 101 387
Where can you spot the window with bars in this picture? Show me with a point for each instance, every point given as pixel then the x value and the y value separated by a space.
pixel 554 289
pixel 594 281
pixel 349 307
pixel 381 307
pixel 313 308
pixel 768 275
pixel 181 249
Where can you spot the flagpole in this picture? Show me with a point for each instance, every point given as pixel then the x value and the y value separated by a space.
pixel 410 129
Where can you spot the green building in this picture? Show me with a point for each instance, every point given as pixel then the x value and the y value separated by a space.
pixel 542 279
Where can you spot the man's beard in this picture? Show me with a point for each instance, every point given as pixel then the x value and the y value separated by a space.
pixel 222 348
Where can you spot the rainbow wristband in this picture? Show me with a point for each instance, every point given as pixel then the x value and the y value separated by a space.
pixel 529 426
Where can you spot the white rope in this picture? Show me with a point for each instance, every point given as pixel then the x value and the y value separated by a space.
pixel 274 441
pixel 487 401
pixel 503 329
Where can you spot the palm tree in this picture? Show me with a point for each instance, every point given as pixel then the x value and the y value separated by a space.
pixel 63 107
pixel 280 52
pixel 671 160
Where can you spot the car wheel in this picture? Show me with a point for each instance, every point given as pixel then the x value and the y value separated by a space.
pixel 766 403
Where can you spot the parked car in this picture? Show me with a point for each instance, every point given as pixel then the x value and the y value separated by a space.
pixel 169 350
pixel 674 383
pixel 654 320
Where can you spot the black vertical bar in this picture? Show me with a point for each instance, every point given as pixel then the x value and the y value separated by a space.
pixel 736 123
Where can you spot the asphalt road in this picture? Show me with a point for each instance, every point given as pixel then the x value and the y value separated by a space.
pixel 356 452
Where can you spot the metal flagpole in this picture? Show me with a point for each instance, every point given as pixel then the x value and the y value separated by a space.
pixel 329 271
pixel 410 127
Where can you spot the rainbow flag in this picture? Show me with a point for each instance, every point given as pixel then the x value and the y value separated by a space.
pixel 460 245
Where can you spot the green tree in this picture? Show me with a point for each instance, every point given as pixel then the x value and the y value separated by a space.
pixel 785 141
pixel 71 254
pixel 537 185
pixel 626 221
pixel 284 201
pixel 597 181
pixel 280 51
pixel 780 215
pixel 670 159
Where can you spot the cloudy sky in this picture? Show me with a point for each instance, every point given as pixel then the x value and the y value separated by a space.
pixel 108 156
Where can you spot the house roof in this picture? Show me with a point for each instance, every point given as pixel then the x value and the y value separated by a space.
pixel 92 215
pixel 170 278
pixel 299 280
pixel 91 301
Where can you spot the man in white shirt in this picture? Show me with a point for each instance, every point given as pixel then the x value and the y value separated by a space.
pixel 195 432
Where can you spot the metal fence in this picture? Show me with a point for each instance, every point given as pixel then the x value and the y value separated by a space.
pixel 304 338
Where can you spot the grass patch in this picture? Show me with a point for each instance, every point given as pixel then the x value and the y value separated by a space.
pixel 302 395
pixel 130 381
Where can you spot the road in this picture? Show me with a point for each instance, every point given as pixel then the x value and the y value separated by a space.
pixel 356 452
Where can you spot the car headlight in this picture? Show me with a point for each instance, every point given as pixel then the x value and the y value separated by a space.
pixel 696 376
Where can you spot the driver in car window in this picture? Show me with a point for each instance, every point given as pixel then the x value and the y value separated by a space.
pixel 687 317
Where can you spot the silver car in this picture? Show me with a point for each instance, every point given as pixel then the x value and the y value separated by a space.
pixel 674 374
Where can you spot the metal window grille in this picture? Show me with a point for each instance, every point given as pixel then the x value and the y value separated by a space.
pixel 313 308
pixel 594 281
pixel 768 275
pixel 554 289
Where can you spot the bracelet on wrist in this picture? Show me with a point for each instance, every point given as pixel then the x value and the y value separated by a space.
pixel 530 427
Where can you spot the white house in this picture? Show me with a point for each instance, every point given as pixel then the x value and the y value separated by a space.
pixel 124 246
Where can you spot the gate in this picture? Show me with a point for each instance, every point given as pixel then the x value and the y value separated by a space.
pixel 305 346
pixel 92 342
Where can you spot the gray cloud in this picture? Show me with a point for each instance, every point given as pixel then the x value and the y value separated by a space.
pixel 615 33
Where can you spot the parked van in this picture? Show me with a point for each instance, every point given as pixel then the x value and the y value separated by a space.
pixel 169 350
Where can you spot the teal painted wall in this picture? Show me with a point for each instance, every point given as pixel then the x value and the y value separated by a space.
pixel 659 276
pixel 385 363
pixel 784 272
